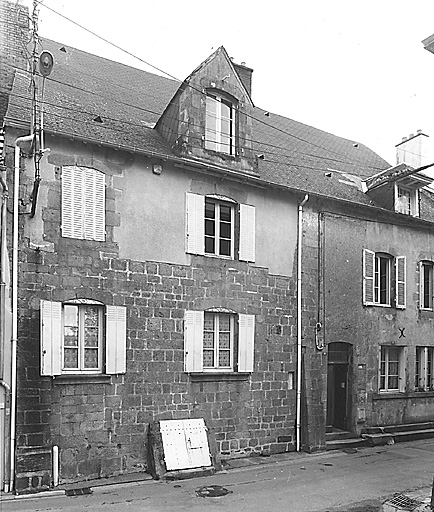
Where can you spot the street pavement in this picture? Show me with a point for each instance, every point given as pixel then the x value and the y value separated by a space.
pixel 325 482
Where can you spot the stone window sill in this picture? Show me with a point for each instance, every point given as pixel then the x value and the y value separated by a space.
pixel 82 379
pixel 219 376
pixel 410 394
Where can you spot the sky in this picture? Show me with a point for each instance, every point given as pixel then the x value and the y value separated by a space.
pixel 354 69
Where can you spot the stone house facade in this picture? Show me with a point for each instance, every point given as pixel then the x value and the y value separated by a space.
pixel 184 254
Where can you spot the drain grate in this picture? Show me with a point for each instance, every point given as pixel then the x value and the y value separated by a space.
pixel 81 491
pixel 212 491
pixel 403 502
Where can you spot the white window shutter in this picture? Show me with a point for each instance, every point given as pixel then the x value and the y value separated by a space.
pixel 116 340
pixel 71 202
pixel 195 223
pixel 193 341
pixel 400 268
pixel 246 341
pixel 51 338
pixel 247 233
pixel 94 204
pixel 368 277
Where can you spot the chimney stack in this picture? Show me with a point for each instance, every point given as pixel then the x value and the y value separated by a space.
pixel 245 74
pixel 413 150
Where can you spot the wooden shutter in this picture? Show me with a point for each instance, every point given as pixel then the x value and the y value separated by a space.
pixel 193 341
pixel 195 223
pixel 246 340
pixel 116 339
pixel 51 338
pixel 83 203
pixel 247 233
pixel 368 277
pixel 400 268
pixel 94 204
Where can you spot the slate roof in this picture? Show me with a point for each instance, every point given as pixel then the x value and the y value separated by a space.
pixel 129 101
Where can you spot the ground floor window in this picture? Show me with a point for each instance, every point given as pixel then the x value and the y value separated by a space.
pixel 424 369
pixel 392 369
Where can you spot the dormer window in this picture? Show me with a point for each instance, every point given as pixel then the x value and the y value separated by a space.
pixel 407 201
pixel 220 124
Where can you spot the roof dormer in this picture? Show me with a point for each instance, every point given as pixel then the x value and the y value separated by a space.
pixel 209 118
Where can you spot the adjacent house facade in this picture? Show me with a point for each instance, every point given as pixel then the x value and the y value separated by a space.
pixel 179 253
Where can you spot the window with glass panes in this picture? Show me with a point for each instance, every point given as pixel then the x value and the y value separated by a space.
pixel 218 334
pixel 382 280
pixel 219 228
pixel 220 124
pixel 390 368
pixel 426 285
pixel 424 369
pixel 82 335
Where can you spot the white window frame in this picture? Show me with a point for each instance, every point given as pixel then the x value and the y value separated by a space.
pixel 386 372
pixel 426 267
pixel 424 369
pixel 217 317
pixel 83 203
pixel 378 267
pixel 215 136
pixel 246 227
pixel 406 200
pixel 111 339
pixel 217 237
pixel 242 342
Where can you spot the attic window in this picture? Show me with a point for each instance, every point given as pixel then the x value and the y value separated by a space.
pixel 220 126
pixel 406 200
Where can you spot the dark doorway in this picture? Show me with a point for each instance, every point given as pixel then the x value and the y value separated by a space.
pixel 337 384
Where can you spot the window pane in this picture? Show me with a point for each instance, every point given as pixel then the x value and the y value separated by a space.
pixel 208 340
pixel 90 337
pixel 91 358
pixel 70 358
pixel 91 316
pixel 209 227
pixel 225 230
pixel 209 210
pixel 225 213
pixel 208 358
pixel 224 359
pixel 393 382
pixel 224 340
pixel 225 247
pixel 209 245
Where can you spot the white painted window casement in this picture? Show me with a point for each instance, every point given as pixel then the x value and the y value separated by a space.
pixel 83 203
pixel 424 372
pixel 407 200
pixel 392 369
pixel 218 226
pixel 73 341
pixel 377 279
pixel 217 340
pixel 220 125
pixel 426 290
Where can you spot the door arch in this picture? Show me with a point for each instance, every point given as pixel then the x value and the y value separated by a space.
pixel 338 371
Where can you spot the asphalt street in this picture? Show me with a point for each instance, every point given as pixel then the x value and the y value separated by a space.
pixel 323 482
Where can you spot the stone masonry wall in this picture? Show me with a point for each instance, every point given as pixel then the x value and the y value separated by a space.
pixel 100 424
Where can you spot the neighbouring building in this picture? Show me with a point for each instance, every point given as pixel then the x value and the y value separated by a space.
pixel 181 253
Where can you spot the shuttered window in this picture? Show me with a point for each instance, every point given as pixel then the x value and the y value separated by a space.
pixel 392 369
pixel 214 225
pixel 426 292
pixel 210 341
pixel 378 281
pixel 72 338
pixel 83 203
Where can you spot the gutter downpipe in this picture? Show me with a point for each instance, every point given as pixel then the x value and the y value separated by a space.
pixel 18 142
pixel 299 326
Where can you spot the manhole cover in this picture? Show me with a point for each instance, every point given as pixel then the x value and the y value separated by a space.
pixel 212 491
pixel 402 502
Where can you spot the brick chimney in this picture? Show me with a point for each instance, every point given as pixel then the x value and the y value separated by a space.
pixel 413 150
pixel 245 75
pixel 14 35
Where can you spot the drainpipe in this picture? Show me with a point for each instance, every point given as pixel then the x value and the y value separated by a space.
pixel 18 142
pixel 299 330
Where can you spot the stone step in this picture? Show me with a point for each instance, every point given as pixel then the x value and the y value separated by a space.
pixel 340 444
pixel 390 435
pixel 403 427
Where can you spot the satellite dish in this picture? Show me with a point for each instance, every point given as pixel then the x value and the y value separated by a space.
pixel 46 62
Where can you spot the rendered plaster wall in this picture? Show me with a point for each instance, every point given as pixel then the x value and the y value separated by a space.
pixel 366 328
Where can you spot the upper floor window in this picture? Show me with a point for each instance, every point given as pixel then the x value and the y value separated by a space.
pixel 426 285
pixel 378 284
pixel 220 125
pixel 83 203
pixel 218 226
pixel 407 200
pixel 218 340
pixel 82 336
